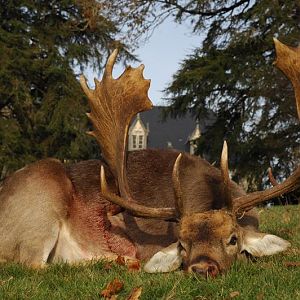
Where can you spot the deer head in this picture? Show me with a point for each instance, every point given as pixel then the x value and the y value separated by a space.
pixel 208 241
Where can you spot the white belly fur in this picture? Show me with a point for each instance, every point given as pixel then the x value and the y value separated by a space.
pixel 68 249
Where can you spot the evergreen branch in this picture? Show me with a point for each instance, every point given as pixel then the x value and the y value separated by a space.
pixel 211 13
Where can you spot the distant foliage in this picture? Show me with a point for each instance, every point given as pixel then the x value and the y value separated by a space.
pixel 42 107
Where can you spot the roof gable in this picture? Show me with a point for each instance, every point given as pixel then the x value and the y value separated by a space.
pixel 174 131
pixel 138 126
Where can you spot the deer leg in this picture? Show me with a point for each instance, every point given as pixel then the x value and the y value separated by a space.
pixel 37 251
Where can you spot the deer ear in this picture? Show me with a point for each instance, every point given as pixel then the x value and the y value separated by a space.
pixel 260 244
pixel 166 260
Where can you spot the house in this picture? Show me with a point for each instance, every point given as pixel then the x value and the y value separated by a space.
pixel 138 134
pixel 149 130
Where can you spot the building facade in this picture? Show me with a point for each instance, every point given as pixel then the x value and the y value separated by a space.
pixel 137 135
pixel 150 130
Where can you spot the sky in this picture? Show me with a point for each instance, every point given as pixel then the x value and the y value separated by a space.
pixel 161 54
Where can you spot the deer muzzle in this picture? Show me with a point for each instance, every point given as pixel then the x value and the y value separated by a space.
pixel 205 267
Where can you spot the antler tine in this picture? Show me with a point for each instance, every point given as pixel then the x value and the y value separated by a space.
pixel 271 177
pixel 114 103
pixel 84 86
pixel 225 176
pixel 110 64
pixel 177 187
pixel 245 203
pixel 288 61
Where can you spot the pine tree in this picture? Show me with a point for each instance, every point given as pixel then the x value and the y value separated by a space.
pixel 42 107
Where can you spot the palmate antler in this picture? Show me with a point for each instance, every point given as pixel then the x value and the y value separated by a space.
pixel 114 103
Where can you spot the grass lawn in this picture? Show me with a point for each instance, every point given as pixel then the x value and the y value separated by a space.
pixel 276 277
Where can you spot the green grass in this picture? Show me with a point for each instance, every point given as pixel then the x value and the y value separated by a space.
pixel 267 278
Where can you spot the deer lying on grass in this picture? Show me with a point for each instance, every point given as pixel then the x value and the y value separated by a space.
pixel 167 207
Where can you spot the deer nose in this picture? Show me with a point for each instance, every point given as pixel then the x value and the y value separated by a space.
pixel 207 267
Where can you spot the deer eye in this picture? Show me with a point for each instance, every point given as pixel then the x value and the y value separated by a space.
pixel 233 240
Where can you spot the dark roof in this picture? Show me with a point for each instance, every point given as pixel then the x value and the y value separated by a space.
pixel 174 130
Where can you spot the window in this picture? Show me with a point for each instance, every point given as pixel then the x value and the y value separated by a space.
pixel 134 146
pixel 140 142
pixel 136 141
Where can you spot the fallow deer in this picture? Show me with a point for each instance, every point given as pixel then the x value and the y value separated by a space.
pixel 163 206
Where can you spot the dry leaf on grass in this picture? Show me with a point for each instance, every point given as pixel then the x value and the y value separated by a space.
pixel 292 263
pixel 120 260
pixel 135 294
pixel 112 288
pixel 234 294
pixel 133 265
